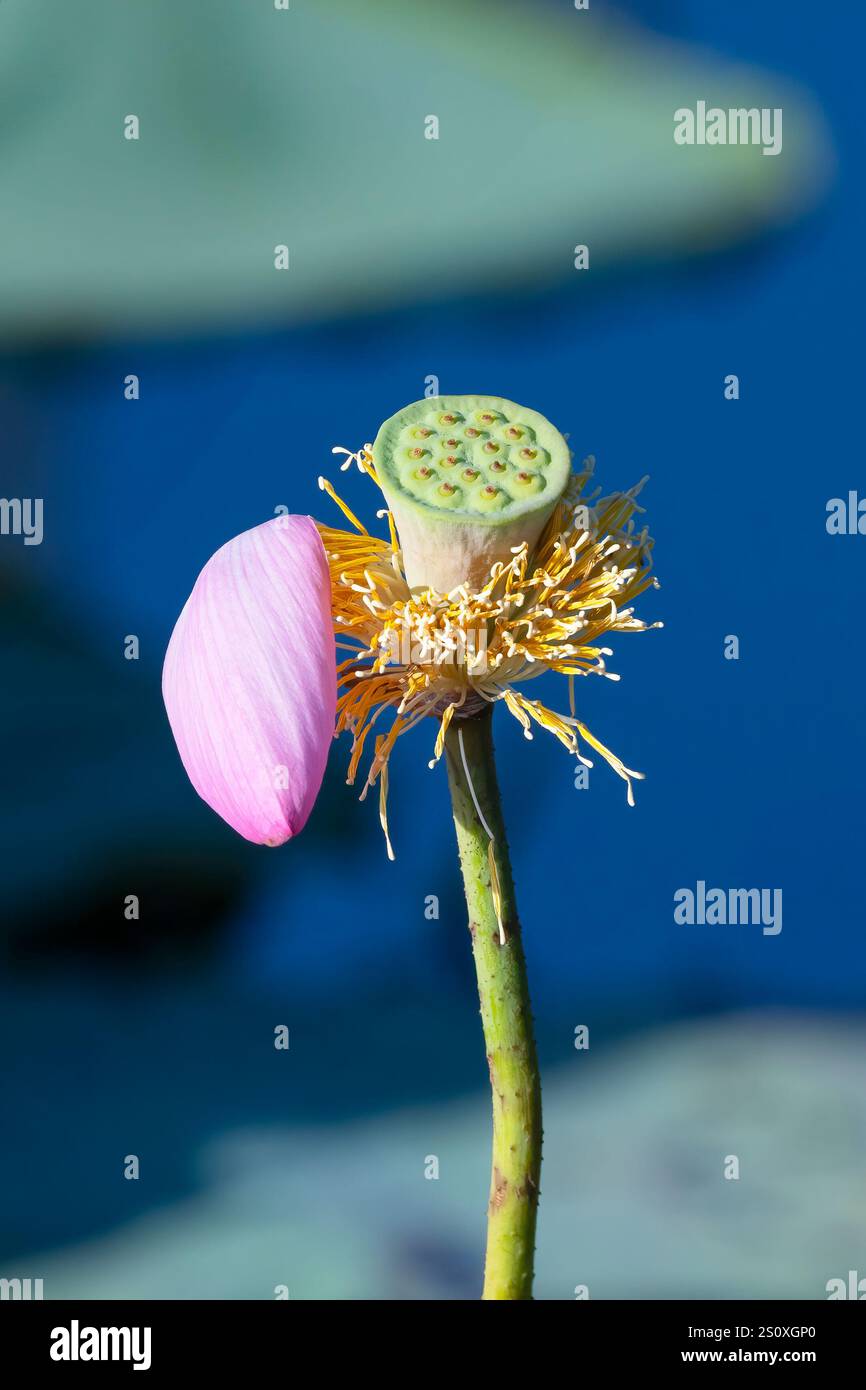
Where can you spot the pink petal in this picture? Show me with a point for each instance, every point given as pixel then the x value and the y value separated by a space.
pixel 250 680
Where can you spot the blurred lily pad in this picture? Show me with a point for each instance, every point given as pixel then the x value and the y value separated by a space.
pixel 635 1200
pixel 308 128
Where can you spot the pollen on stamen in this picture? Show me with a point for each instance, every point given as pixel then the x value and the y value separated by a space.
pixel 571 563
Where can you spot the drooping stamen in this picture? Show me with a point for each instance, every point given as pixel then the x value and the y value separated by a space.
pixel 383 798
pixel 412 655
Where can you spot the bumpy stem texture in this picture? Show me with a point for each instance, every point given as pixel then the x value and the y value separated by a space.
pixel 505 1014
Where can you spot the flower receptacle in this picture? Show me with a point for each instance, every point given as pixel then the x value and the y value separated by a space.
pixel 467 479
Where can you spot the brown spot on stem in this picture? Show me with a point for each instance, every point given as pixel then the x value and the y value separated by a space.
pixel 500 1190
pixel 527 1189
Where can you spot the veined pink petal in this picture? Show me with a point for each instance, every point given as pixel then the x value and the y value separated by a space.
pixel 249 680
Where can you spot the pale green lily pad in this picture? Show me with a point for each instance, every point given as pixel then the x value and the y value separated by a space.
pixel 635 1201
pixel 306 128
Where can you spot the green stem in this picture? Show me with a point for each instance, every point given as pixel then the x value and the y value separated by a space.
pixel 505 1013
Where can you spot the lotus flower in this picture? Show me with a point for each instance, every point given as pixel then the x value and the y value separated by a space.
pixel 498 567
pixel 249 680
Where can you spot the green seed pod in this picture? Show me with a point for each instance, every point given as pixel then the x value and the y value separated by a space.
pixel 485 479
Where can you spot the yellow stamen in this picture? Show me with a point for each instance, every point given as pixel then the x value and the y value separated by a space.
pixel 347 511
pixel 428 654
